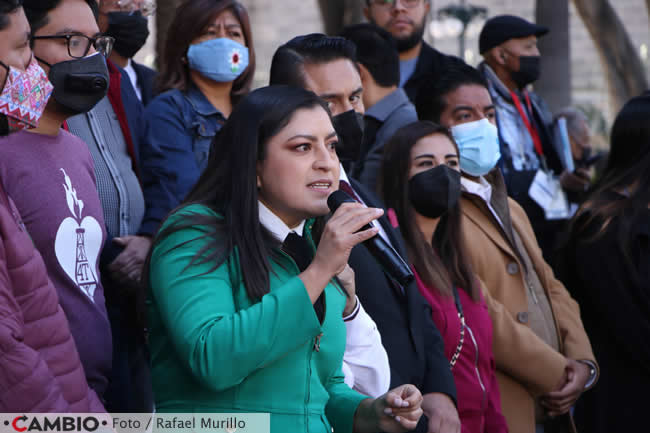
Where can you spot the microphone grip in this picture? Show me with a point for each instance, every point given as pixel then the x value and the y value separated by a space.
pixel 390 261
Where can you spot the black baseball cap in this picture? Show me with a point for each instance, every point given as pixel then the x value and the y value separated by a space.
pixel 502 28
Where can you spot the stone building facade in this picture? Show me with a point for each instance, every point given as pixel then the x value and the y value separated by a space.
pixel 275 22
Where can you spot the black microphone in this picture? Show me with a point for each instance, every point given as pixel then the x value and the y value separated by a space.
pixel 387 257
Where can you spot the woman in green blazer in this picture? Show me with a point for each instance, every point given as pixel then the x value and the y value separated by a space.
pixel 241 318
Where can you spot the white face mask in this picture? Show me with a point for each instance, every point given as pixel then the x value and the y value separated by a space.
pixel 478 146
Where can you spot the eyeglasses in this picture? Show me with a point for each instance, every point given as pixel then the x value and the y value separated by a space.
pixel 145 7
pixel 386 4
pixel 79 45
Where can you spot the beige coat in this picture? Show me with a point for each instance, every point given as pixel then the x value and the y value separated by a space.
pixel 527 367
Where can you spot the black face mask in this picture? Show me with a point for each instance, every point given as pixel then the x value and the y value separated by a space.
pixel 433 192
pixel 349 128
pixel 130 31
pixel 530 68
pixel 79 84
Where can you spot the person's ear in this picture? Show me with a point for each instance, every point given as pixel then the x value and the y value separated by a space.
pixel 366 12
pixel 500 56
pixel 366 77
pixel 427 8
pixel 258 179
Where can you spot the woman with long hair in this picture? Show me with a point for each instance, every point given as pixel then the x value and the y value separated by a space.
pixel 245 311
pixel 207 67
pixel 420 184
pixel 606 265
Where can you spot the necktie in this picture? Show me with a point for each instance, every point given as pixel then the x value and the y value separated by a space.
pixel 299 249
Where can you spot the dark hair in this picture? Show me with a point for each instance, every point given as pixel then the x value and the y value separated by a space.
pixel 376 51
pixel 37 11
pixel 444 262
pixel 627 172
pixel 7 7
pixel 430 102
pixel 315 48
pixel 228 185
pixel 192 17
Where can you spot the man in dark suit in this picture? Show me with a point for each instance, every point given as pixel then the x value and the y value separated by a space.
pixel 387 106
pixel 145 80
pixel 406 21
pixel 128 23
pixel 328 67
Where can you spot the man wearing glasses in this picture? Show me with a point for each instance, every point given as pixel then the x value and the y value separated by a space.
pixel 134 198
pixel 406 21
pixel 128 22
pixel 50 175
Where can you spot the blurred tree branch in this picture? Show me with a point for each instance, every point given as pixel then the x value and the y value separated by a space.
pixel 555 82
pixel 165 11
pixel 340 13
pixel 620 59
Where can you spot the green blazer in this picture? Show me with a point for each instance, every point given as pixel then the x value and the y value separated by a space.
pixel 213 350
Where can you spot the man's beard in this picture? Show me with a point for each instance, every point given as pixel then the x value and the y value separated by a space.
pixel 410 41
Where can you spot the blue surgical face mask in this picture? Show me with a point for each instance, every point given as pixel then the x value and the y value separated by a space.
pixel 478 145
pixel 221 59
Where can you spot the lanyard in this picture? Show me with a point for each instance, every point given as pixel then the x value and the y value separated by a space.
pixel 528 122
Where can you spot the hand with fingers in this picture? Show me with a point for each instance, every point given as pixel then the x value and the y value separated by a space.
pixel 347 280
pixel 442 413
pixel 127 266
pixel 399 410
pixel 339 237
pixel 559 402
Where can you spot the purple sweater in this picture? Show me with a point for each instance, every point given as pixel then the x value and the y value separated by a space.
pixel 52 182
pixel 41 371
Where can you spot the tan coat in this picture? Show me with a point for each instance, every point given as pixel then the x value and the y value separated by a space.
pixel 527 367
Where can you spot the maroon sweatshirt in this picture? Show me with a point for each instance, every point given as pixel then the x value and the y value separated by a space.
pixel 52 182
pixel 41 371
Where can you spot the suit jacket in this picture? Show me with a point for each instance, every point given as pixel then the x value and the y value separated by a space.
pixel 527 367
pixel 414 345
pixel 389 114
pixel 430 66
pixel 146 80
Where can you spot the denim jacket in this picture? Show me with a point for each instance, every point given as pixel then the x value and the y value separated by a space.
pixel 183 125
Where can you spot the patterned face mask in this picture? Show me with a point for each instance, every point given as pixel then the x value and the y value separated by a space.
pixel 24 96
pixel 221 59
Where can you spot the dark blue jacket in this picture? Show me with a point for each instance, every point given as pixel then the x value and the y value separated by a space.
pixel 183 125
pixel 146 79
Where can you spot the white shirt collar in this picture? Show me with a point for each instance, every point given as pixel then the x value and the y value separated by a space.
pixel 275 225
pixel 481 188
pixel 343 175
pixel 133 77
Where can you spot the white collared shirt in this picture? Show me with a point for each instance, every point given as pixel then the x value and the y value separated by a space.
pixel 483 190
pixel 133 77
pixel 275 225
pixel 365 361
